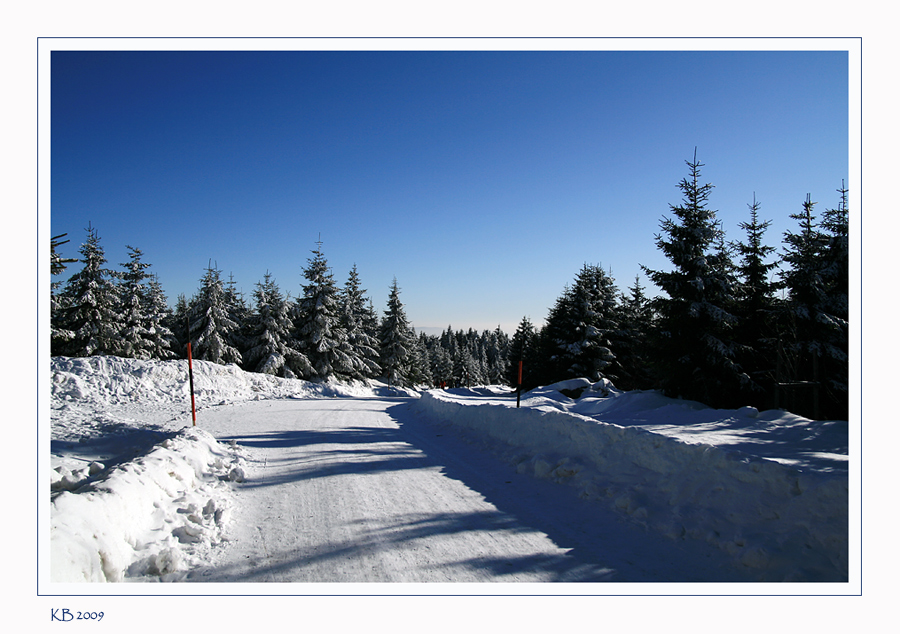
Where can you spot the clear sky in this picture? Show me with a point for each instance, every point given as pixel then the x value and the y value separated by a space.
pixel 482 181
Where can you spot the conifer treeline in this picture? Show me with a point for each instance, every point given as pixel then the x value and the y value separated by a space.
pixel 734 327
pixel 728 331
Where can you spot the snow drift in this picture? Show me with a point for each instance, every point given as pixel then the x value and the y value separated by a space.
pixel 779 521
pixel 155 515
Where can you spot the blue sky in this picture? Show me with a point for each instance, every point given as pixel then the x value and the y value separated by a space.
pixel 481 180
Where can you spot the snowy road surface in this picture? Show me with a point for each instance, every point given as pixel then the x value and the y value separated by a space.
pixel 361 490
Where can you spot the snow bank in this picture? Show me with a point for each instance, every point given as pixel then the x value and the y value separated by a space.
pixel 134 494
pixel 782 523
pixel 156 515
pixel 114 380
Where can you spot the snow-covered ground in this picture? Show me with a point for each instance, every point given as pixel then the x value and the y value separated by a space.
pixel 137 492
pixel 769 488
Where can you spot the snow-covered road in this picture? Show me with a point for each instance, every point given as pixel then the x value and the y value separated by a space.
pixel 363 490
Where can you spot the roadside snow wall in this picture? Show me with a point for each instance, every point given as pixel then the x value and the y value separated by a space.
pixel 783 524
pixel 150 517
pixel 114 380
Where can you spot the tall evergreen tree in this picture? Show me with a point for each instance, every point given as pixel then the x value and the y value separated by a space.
pixel 238 311
pixel 318 329
pixel 812 322
pixel 577 338
pixel 179 324
pixel 594 314
pixel 397 341
pixel 496 344
pixel 161 340
pixel 270 349
pixel 441 365
pixel 88 321
pixel 355 320
pixel 634 352
pixel 135 336
pixel 210 327
pixel 523 347
pixel 756 304
pixel 420 368
pixel 695 350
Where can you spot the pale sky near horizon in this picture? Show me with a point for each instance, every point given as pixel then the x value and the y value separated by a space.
pixel 481 180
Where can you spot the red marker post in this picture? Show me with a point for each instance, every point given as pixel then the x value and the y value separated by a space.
pixel 519 389
pixel 191 378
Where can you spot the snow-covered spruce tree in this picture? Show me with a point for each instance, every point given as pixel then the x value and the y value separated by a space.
pixel 812 325
pixel 695 351
pixel 756 305
pixel 397 341
pixel 576 340
pixel 239 312
pixel 210 326
pixel 319 333
pixel 356 319
pixel 161 340
pixel 441 365
pixel 268 335
pixel 596 299
pixel 551 360
pixel 523 347
pixel 465 368
pixel 179 323
pixel 135 336
pixel 88 320
pixel 836 272
pixel 633 353
pixel 495 344
pixel 420 368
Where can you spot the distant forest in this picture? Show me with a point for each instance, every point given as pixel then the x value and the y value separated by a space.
pixel 739 323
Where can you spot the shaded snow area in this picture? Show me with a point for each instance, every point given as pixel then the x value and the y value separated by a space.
pixel 139 494
pixel 768 488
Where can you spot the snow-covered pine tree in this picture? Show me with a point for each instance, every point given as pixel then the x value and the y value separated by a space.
pixel 397 341
pixel 633 353
pixel 210 326
pixel 836 274
pixel 577 338
pixel 695 353
pixel 756 305
pixel 268 335
pixel 441 365
pixel 135 335
pixel 161 339
pixel 523 347
pixel 319 333
pixel 420 368
pixel 179 324
pixel 815 349
pixel 356 321
pixel 465 368
pixel 88 321
pixel 552 357
pixel 238 311
pixel 495 344
pixel 595 315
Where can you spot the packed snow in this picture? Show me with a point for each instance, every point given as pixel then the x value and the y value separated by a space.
pixel 137 492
